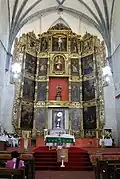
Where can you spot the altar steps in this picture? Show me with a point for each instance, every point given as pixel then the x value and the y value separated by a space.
pixel 78 160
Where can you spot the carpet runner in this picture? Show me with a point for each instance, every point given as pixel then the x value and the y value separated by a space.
pixel 78 160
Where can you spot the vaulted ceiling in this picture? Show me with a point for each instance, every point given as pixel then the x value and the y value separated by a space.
pixel 97 12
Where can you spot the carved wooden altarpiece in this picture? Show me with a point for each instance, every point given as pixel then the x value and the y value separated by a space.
pixel 60 70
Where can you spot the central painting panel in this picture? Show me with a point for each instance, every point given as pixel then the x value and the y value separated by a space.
pixel 58 89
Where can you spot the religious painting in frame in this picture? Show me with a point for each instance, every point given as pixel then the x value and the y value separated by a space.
pixel 28 89
pixel 58 118
pixel 30 64
pixel 40 117
pixel 42 67
pixel 27 113
pixel 74 66
pixel 75 118
pixel 59 43
pixel 44 44
pixel 89 117
pixel 41 91
pixel 88 90
pixel 73 45
pixel 75 92
pixel 87 65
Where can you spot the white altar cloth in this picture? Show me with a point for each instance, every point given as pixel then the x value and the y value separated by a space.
pixel 107 142
pixel 61 136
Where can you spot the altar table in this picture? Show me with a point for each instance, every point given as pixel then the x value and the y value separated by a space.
pixel 55 139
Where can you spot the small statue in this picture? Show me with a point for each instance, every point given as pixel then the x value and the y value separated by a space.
pixel 60 43
pixel 58 64
pixel 58 93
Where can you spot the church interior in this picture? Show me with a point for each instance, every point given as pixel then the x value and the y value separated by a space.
pixel 60 89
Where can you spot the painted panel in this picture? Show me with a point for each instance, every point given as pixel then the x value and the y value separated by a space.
pixel 44 44
pixel 89 117
pixel 87 65
pixel 75 92
pixel 41 91
pixel 27 112
pixel 75 118
pixel 40 117
pixel 89 90
pixel 30 64
pixel 28 89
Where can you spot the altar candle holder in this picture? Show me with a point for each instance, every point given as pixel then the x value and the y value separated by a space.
pixel 62 157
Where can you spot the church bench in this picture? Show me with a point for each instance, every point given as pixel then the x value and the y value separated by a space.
pixel 28 160
pixel 12 173
pixel 107 169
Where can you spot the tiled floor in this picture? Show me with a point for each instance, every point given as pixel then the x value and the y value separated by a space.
pixel 64 175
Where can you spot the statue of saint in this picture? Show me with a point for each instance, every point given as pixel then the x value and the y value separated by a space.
pixel 74 46
pixel 75 67
pixel 60 43
pixel 58 93
pixel 58 64
pixel 44 44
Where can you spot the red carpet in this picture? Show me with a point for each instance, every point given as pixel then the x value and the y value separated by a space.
pixel 46 159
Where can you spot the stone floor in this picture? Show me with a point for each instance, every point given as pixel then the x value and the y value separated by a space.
pixel 64 175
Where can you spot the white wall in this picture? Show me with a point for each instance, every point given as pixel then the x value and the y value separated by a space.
pixel 6 90
pixel 116 59
pixel 110 111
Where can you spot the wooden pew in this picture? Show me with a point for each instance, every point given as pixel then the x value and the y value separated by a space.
pixel 106 169
pixel 12 173
pixel 28 160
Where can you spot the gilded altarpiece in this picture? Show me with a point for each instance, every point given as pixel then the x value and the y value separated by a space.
pixel 61 75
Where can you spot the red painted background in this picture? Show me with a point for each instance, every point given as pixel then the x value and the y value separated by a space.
pixel 53 83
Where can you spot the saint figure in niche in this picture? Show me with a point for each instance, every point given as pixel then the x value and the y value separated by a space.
pixel 74 46
pixel 75 93
pixel 58 93
pixel 75 67
pixel 59 64
pixel 60 43
pixel 44 44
